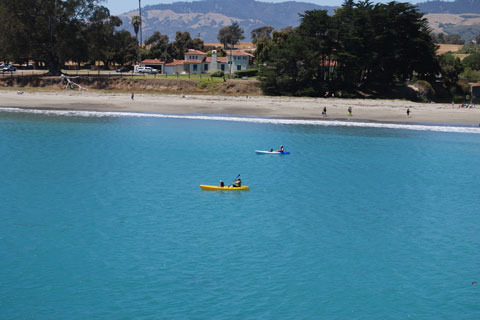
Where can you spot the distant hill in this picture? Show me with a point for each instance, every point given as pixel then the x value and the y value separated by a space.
pixel 205 18
pixel 467 25
pixel 454 7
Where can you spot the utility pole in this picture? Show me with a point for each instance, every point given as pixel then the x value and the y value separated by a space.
pixel 141 38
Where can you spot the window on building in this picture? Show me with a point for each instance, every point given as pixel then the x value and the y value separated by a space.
pixel 239 67
pixel 194 67
pixel 205 67
pixel 222 67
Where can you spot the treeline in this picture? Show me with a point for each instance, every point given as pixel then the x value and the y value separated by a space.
pixel 469 67
pixel 52 32
pixel 158 46
pixel 442 38
pixel 361 47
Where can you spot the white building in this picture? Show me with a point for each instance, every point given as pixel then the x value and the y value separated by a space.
pixel 197 62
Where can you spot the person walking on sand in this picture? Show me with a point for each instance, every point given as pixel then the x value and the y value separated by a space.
pixel 324 111
pixel 408 112
pixel 132 96
pixel 349 111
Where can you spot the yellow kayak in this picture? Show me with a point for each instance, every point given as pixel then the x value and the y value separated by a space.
pixel 226 188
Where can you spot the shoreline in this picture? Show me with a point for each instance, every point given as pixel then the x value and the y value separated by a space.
pixel 364 110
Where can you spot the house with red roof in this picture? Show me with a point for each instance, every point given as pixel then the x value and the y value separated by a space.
pixel 198 62
pixel 155 64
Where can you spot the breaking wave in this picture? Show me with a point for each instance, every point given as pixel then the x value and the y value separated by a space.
pixel 325 123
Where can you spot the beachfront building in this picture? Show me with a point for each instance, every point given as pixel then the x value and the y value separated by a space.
pixel 155 64
pixel 239 60
pixel 176 66
pixel 198 62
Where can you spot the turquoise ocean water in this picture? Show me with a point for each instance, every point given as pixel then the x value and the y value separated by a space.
pixel 102 217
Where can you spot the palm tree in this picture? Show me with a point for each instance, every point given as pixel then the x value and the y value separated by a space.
pixel 140 15
pixel 235 34
pixel 136 22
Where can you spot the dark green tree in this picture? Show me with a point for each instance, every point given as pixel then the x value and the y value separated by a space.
pixel 230 35
pixel 450 68
pixel 353 56
pixel 362 46
pixel 183 42
pixel 124 48
pixel 283 73
pixel 263 48
pixel 402 45
pixel 472 61
pixel 158 46
pixel 100 36
pixel 223 36
pixel 261 33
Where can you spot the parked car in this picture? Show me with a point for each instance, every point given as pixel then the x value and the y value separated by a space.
pixel 124 69
pixel 9 68
pixel 149 70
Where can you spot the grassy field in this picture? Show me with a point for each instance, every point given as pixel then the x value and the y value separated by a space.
pixel 201 78
pixel 444 48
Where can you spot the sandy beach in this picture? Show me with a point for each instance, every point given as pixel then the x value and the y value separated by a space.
pixel 275 107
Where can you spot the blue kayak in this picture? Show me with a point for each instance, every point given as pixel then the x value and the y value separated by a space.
pixel 271 152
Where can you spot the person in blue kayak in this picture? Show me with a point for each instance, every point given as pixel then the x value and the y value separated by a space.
pixel 238 183
pixel 281 149
pixel 271 149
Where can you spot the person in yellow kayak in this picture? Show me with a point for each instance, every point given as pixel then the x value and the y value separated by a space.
pixel 222 184
pixel 238 183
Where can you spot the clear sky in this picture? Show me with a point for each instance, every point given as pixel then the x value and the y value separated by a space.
pixel 122 6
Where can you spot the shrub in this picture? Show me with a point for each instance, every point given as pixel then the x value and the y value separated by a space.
pixel 246 73
pixel 472 61
pixel 219 74
pixel 424 90
pixel 459 99
pixel 463 88
pixel 349 95
pixel 471 75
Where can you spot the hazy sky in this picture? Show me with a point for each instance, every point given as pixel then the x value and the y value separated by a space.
pixel 121 6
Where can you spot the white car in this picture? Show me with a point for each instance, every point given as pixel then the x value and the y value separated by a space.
pixel 148 70
pixel 9 68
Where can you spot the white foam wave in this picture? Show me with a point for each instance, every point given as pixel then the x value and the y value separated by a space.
pixel 325 123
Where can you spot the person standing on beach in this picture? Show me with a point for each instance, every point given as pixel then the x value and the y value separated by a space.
pixel 349 111
pixel 324 111
pixel 132 96
pixel 408 112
